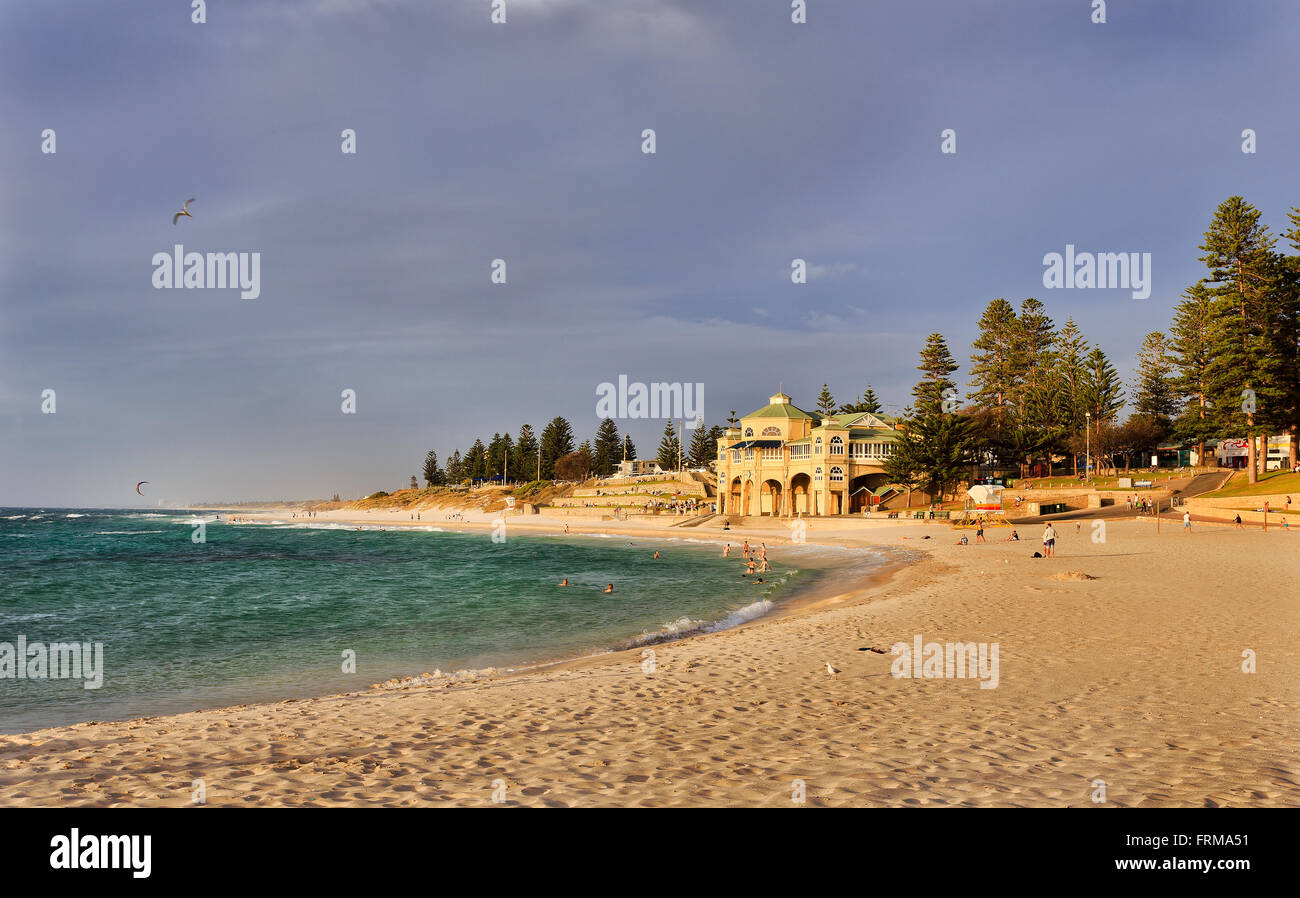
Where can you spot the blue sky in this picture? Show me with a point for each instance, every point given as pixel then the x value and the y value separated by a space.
pixel 523 142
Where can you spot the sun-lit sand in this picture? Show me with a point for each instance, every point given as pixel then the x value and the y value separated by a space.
pixel 1131 675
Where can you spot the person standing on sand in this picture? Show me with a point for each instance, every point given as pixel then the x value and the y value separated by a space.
pixel 1049 541
pixel 1236 523
pixel 1187 521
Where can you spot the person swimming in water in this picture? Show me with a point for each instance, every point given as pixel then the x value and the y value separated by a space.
pixel 564 582
pixel 609 587
pixel 656 553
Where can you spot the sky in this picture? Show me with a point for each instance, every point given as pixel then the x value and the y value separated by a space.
pixel 522 141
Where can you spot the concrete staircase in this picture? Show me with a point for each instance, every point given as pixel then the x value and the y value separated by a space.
pixel 696 520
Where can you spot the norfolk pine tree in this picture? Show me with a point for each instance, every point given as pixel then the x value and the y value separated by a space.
pixel 607 452
pixel 1192 347
pixel 1239 255
pixel 669 448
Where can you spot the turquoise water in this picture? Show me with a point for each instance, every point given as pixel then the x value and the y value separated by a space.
pixel 265 612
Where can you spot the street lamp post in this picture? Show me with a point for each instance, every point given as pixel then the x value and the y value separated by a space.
pixel 1087 455
pixel 681 461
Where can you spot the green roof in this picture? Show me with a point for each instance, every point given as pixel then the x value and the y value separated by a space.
pixel 848 419
pixel 781 410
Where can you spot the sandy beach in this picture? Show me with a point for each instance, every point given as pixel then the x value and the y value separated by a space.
pixel 1118 662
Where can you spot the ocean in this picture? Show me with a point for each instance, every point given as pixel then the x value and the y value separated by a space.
pixel 266 612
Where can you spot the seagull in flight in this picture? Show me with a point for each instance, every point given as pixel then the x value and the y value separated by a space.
pixel 185 210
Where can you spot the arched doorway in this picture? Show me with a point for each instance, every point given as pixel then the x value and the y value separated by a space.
pixel 769 502
pixel 837 497
pixel 733 497
pixel 800 484
pixel 861 490
pixel 749 493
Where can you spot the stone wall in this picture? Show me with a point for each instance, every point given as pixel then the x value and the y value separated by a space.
pixel 1276 501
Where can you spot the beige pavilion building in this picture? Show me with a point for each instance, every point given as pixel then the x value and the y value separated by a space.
pixel 784 462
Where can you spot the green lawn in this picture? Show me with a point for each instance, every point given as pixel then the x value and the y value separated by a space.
pixel 1101 483
pixel 1269 482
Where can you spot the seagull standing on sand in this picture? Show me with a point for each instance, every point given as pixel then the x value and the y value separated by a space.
pixel 831 670
pixel 185 210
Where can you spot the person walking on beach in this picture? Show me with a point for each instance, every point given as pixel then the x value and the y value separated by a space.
pixel 1236 523
pixel 979 531
pixel 1049 541
pixel 1187 521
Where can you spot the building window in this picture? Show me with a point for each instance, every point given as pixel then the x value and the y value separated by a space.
pixel 772 453
pixel 837 446
pixel 818 474
pixel 749 431
pixel 749 455
pixel 800 451
pixel 735 456
pixel 837 474
pixel 818 442
pixel 772 431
